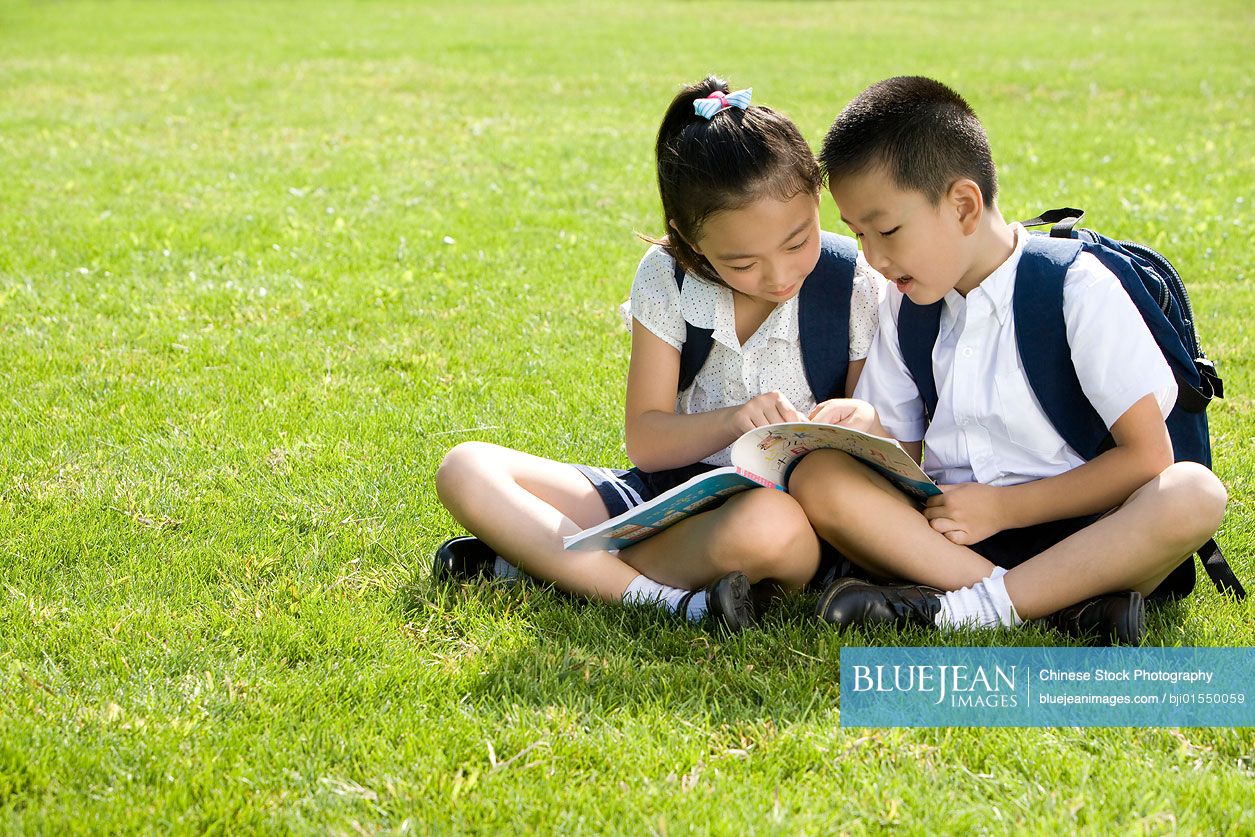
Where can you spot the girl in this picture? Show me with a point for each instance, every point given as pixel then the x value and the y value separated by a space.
pixel 740 197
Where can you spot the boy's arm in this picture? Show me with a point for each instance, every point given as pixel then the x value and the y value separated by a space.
pixel 972 512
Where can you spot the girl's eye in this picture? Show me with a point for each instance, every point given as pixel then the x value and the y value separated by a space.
pixel 890 232
pixel 800 245
pixel 741 268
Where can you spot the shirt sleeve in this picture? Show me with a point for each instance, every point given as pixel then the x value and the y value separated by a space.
pixel 868 289
pixel 655 301
pixel 886 384
pixel 1117 360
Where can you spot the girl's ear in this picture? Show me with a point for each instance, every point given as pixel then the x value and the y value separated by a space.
pixel 968 202
pixel 676 232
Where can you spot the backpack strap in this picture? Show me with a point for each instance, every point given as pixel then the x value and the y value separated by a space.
pixel 1042 341
pixel 697 343
pixel 823 321
pixel 823 316
pixel 1218 569
pixel 918 327
pixel 1041 336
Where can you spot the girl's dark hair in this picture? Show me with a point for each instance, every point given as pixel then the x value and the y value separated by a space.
pixel 726 162
pixel 923 133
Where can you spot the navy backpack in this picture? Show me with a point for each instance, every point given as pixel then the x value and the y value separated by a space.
pixel 1041 337
pixel 823 321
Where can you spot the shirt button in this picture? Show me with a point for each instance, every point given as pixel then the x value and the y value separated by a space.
pixel 968 351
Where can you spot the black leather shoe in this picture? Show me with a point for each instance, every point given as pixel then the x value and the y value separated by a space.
pixel 851 601
pixel 459 560
pixel 729 603
pixel 1111 619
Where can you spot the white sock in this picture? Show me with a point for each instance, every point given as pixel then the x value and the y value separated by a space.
pixel 983 605
pixel 644 590
pixel 502 568
pixel 1007 617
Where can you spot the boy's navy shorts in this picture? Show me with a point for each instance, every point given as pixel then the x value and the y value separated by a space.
pixel 622 490
pixel 1012 547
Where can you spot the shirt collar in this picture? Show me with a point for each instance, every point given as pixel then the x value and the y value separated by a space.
pixel 707 305
pixel 998 287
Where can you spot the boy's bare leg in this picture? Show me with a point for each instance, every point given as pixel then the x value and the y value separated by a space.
pixel 877 526
pixel 1135 547
pixel 522 506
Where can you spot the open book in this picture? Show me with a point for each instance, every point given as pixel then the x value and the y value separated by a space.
pixel 762 457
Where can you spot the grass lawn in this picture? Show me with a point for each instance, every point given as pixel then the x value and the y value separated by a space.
pixel 262 264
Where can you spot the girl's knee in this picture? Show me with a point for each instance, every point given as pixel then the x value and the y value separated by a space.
pixel 462 466
pixel 764 534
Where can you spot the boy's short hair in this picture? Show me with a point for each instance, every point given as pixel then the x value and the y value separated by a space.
pixel 923 133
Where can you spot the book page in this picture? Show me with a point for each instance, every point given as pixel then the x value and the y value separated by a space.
pixel 771 452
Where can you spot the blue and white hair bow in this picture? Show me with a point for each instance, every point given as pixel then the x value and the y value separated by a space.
pixel 719 100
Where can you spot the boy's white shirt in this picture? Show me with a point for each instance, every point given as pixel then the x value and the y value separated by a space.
pixel 989 427
pixel 733 373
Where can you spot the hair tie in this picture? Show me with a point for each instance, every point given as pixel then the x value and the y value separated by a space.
pixel 718 100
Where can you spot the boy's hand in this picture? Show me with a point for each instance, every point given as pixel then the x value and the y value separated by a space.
pixel 967 513
pixel 848 412
pixel 768 408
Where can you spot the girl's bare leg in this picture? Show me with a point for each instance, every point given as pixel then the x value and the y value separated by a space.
pixel 522 506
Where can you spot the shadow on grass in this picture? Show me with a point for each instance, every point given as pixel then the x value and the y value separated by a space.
pixel 502 645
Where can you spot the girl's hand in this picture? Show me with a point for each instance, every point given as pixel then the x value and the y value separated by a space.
pixel 848 412
pixel 768 408
pixel 967 513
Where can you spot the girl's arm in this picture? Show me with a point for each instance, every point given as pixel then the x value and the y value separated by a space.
pixel 658 438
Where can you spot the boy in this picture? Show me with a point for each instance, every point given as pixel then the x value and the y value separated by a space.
pixel 1024 528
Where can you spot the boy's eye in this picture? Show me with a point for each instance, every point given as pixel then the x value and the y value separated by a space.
pixel 799 245
pixel 890 232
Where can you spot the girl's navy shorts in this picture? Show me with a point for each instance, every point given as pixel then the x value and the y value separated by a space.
pixel 622 490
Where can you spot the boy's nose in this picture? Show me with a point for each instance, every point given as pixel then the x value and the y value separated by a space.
pixel 876 257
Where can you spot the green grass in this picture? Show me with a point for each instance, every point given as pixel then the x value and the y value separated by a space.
pixel 261 264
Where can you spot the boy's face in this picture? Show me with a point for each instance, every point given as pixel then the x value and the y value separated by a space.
pixel 919 246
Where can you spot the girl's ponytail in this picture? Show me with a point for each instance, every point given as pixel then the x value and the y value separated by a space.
pixel 708 165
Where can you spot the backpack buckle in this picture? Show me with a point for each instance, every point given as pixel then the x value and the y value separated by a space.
pixel 1207 371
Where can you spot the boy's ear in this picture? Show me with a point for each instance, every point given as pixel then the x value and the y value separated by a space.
pixel 968 202
pixel 676 232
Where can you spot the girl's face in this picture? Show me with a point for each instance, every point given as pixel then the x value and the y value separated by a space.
pixel 765 249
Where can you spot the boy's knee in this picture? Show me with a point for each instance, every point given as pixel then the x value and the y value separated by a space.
pixel 816 478
pixel 1192 501
pixel 1200 493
